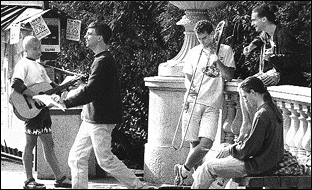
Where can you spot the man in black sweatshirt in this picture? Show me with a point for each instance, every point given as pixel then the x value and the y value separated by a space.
pixel 102 110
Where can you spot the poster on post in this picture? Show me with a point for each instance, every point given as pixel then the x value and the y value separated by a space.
pixel 40 28
pixel 73 29
pixel 15 33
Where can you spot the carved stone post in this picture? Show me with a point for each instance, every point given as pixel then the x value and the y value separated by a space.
pixel 166 99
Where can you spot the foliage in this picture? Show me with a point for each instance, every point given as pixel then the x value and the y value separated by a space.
pixel 145 34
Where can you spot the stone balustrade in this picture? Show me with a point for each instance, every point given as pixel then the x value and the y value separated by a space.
pixel 165 105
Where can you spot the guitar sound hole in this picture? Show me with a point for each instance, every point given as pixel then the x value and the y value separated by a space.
pixel 27 102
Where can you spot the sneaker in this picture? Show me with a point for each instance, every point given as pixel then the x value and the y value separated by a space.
pixel 178 180
pixel 32 184
pixel 63 182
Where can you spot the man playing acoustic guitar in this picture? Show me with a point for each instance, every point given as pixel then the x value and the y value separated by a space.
pixel 28 72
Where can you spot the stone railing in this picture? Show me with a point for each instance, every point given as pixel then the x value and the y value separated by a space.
pixel 295 104
pixel 165 105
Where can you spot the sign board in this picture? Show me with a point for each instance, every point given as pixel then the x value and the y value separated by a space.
pixel 51 43
pixel 40 28
pixel 15 33
pixel 73 30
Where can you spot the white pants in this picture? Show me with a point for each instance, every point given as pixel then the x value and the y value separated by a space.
pixel 228 167
pixel 97 136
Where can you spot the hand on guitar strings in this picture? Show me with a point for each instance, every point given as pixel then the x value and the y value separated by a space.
pixel 39 103
pixel 73 86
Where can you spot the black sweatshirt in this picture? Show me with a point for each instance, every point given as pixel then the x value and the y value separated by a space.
pixel 102 93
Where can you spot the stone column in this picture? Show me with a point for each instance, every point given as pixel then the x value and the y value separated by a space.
pixel 165 105
pixel 166 102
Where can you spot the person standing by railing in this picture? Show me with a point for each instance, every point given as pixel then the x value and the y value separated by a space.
pixel 205 97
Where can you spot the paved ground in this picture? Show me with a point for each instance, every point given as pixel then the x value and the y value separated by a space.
pixel 13 176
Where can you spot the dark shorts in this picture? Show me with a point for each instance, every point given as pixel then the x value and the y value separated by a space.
pixel 41 124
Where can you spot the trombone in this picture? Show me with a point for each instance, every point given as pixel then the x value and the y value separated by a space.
pixel 208 70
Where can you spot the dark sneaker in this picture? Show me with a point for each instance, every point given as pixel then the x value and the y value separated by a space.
pixel 63 182
pixel 178 180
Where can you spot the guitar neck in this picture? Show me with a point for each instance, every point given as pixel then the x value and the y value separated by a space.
pixel 56 89
pixel 64 86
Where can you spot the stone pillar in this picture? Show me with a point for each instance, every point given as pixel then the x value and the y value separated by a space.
pixel 165 105
pixel 166 99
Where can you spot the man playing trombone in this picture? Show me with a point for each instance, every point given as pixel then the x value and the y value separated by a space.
pixel 206 69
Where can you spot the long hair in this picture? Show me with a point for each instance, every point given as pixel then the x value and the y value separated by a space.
pixel 257 85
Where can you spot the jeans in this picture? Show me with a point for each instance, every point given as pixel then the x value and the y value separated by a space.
pixel 228 167
pixel 97 136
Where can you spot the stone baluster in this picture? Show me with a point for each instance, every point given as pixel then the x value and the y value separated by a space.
pixel 294 126
pixel 237 122
pixel 223 116
pixel 300 133
pixel 286 120
pixel 306 140
pixel 228 135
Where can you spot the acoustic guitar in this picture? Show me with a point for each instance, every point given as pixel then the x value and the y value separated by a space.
pixel 27 108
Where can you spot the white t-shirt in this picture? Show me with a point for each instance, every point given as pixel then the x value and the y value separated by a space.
pixel 211 90
pixel 30 72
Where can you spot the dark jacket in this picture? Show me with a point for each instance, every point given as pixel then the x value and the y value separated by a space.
pixel 102 93
pixel 285 58
pixel 264 147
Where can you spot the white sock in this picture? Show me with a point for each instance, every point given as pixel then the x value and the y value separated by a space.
pixel 184 171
